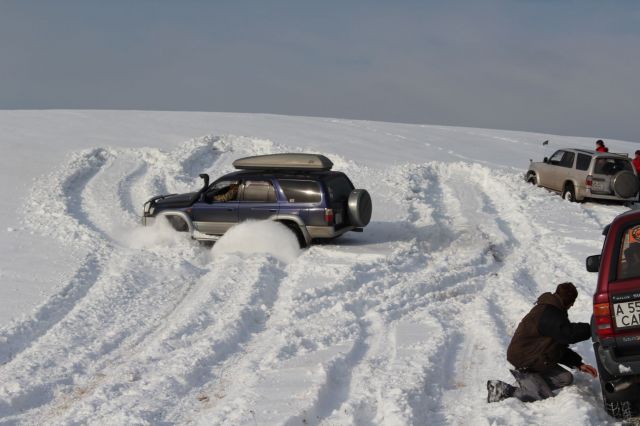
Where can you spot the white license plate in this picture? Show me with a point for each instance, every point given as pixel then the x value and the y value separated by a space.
pixel 598 186
pixel 338 218
pixel 627 314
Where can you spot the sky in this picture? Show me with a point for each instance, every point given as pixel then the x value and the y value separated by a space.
pixel 563 67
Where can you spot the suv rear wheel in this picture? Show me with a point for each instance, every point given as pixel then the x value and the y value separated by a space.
pixel 297 232
pixel 569 193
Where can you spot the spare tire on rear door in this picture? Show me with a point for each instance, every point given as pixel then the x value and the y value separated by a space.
pixel 360 207
pixel 625 184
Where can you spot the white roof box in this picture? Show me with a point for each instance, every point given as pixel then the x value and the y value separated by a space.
pixel 284 161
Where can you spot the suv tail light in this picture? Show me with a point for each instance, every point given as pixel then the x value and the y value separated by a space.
pixel 328 216
pixel 602 319
pixel 589 181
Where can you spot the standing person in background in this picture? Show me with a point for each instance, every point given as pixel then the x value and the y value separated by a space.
pixel 600 146
pixel 636 165
pixel 636 162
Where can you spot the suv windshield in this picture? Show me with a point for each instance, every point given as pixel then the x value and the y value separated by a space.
pixel 611 166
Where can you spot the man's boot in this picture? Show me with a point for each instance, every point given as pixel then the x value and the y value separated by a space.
pixel 498 390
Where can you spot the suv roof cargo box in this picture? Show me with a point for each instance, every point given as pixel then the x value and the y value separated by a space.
pixel 284 161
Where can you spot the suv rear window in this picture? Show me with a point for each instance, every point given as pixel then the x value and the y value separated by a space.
pixel 301 191
pixel 611 166
pixel 339 188
pixel 629 263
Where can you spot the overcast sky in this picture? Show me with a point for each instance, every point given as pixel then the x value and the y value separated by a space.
pixel 566 67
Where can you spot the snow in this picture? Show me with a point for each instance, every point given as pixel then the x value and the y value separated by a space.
pixel 264 237
pixel 105 321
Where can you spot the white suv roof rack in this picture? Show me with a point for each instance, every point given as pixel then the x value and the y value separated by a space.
pixel 284 161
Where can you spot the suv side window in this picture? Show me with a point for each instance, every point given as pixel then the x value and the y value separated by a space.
pixel 629 259
pixel 258 191
pixel 556 158
pixel 583 162
pixel 223 191
pixel 301 191
pixel 567 159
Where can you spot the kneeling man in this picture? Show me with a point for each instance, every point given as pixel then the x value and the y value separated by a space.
pixel 540 343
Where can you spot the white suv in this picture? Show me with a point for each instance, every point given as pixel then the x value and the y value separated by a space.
pixel 578 174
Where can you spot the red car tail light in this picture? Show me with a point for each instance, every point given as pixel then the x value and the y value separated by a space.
pixel 602 316
pixel 589 181
pixel 328 216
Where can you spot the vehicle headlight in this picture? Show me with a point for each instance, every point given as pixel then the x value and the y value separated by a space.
pixel 148 210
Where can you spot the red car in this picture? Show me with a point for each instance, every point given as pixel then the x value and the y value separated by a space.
pixel 615 324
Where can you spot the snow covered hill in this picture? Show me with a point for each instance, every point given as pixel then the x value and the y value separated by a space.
pixel 106 322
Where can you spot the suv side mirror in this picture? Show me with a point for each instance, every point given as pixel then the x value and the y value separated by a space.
pixel 546 160
pixel 593 263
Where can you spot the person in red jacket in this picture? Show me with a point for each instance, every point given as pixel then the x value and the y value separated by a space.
pixel 600 146
pixel 636 162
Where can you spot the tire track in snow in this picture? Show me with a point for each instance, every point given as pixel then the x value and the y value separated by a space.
pixel 209 325
pixel 111 344
pixel 56 200
pixel 360 296
pixel 516 286
pixel 61 198
pixel 394 327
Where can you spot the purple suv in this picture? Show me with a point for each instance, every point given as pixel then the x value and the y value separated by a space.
pixel 298 190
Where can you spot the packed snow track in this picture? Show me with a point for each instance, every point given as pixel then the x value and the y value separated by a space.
pixel 402 324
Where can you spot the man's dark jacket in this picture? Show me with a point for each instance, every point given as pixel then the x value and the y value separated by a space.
pixel 543 336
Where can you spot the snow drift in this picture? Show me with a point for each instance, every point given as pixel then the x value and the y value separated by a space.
pixel 265 237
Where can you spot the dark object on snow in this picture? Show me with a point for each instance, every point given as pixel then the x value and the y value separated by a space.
pixel 545 142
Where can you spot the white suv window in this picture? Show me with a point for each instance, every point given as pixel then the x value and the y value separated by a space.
pixel 556 158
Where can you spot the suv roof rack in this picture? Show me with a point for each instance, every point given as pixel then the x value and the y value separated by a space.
pixel 284 162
